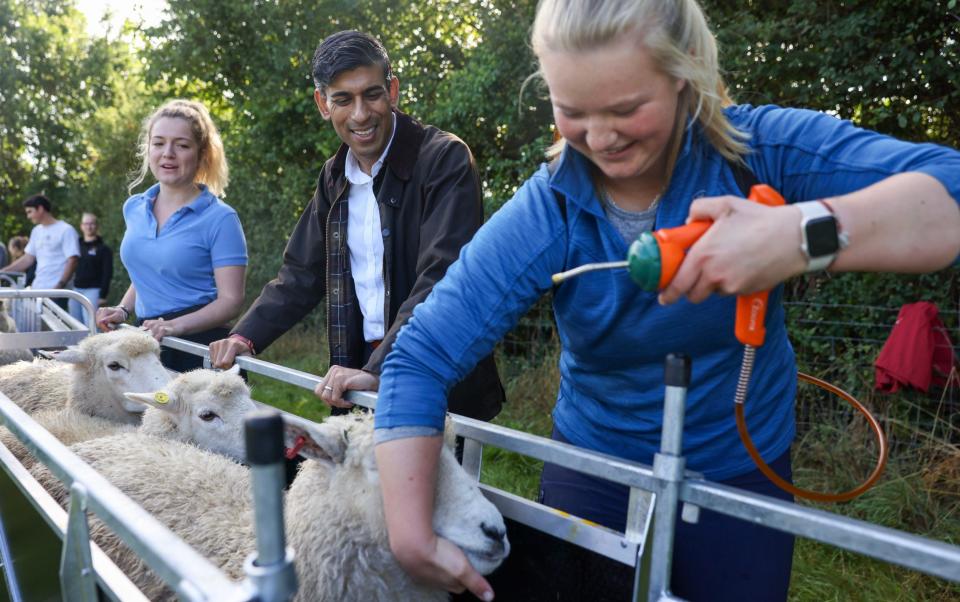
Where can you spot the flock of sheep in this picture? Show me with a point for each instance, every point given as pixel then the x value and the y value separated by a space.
pixel 175 446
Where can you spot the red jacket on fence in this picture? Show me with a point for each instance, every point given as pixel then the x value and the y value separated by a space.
pixel 918 353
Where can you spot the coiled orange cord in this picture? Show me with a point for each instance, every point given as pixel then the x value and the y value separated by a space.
pixel 806 493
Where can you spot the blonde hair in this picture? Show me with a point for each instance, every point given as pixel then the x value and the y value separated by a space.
pixel 676 34
pixel 212 170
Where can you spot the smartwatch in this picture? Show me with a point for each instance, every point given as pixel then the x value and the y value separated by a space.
pixel 821 236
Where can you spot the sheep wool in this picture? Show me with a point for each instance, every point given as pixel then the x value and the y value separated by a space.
pixel 333 512
pixel 91 377
pixel 202 407
pixel 69 426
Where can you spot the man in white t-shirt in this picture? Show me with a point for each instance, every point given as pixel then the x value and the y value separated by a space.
pixel 54 247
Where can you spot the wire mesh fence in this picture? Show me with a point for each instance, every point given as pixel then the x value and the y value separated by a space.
pixel 828 338
pixel 835 341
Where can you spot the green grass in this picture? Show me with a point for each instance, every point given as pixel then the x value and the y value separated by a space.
pixel 919 492
pixel 302 350
pixel 531 390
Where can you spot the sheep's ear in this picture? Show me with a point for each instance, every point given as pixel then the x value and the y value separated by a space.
pixel 297 440
pixel 162 400
pixel 234 369
pixel 318 442
pixel 71 355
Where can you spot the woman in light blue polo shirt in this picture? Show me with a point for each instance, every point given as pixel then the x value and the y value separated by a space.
pixel 183 248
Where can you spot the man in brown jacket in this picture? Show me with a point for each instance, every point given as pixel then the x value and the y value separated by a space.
pixel 391 210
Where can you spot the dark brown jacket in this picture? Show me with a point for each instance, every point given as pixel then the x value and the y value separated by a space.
pixel 430 206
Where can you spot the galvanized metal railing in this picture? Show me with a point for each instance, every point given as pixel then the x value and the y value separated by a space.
pixel 83 566
pixel 668 480
pixel 191 575
pixel 37 310
pixel 13 279
pixel 651 489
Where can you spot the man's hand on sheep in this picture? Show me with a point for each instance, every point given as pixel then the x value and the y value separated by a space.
pixel 160 328
pixel 339 380
pixel 224 351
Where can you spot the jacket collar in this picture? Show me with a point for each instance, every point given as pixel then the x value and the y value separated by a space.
pixel 572 177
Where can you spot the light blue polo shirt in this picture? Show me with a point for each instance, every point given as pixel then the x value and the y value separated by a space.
pixel 173 269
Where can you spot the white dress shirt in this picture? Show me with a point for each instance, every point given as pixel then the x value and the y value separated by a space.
pixel 365 242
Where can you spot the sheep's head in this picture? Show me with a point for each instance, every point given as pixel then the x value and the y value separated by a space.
pixel 202 407
pixel 461 513
pixel 113 363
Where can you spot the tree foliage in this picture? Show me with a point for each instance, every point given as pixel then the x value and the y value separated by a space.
pixel 72 106
pixel 251 62
pixel 887 65
pixel 61 93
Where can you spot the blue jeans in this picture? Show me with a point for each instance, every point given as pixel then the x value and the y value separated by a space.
pixel 77 310
pixel 719 558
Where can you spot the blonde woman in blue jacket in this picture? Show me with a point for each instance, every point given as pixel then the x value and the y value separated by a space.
pixel 651 141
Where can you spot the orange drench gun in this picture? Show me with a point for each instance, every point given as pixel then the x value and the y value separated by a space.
pixel 653 261
pixel 663 251
pixel 655 257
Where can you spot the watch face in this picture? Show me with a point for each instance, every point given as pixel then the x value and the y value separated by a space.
pixel 822 236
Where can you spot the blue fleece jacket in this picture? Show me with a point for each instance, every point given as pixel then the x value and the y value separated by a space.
pixel 614 336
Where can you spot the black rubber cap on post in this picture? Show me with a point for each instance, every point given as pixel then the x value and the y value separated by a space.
pixel 264 438
pixel 677 370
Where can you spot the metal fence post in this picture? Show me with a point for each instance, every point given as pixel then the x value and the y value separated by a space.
pixel 6 565
pixel 76 567
pixel 472 458
pixel 668 466
pixel 270 568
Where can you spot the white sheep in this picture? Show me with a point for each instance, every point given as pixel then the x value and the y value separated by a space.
pixel 8 356
pixel 90 377
pixel 333 510
pixel 201 407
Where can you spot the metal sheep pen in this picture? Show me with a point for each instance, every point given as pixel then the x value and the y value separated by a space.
pixel 644 549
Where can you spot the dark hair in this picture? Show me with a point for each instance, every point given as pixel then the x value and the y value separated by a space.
pixel 344 51
pixel 38 200
pixel 18 242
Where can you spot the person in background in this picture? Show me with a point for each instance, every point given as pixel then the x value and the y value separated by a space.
pixel 94 270
pixel 4 256
pixel 16 247
pixel 651 140
pixel 183 247
pixel 53 247
pixel 391 211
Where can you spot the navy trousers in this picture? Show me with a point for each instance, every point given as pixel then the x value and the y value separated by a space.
pixel 719 558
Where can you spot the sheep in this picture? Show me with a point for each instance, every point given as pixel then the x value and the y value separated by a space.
pixel 90 377
pixel 9 356
pixel 201 407
pixel 69 426
pixel 333 510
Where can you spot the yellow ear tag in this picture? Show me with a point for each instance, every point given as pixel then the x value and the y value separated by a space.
pixel 161 397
